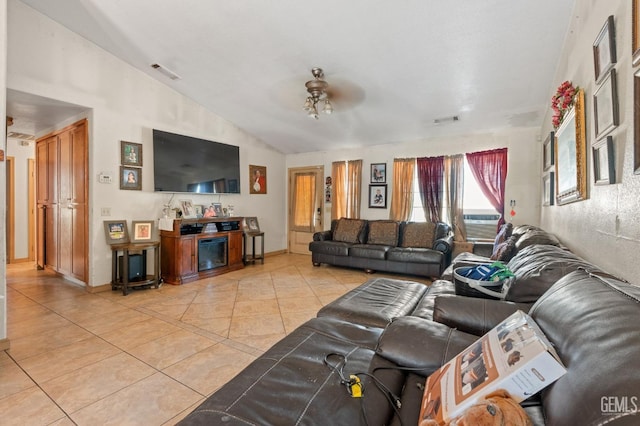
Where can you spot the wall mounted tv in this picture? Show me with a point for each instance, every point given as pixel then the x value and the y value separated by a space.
pixel 186 164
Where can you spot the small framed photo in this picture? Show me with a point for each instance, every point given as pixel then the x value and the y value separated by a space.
pixel 604 50
pixel 378 196
pixel 548 152
pixel 548 189
pixel 604 172
pixel 142 231
pixel 188 210
pixel 116 231
pixel 379 173
pixel 199 208
pixel 257 179
pixel 217 210
pixel 130 154
pixel 130 178
pixel 605 105
pixel 252 224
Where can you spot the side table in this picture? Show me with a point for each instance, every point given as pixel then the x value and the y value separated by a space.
pixel 121 278
pixel 253 257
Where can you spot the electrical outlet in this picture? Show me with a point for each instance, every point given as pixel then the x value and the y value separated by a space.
pixel 105 211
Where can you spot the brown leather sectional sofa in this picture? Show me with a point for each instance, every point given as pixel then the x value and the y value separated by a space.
pixel 421 249
pixel 394 333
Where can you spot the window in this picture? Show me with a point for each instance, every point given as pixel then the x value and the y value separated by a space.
pixel 480 217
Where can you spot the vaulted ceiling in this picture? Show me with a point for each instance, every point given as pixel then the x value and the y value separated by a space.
pixel 395 66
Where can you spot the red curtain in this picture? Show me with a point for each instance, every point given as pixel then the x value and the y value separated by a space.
pixel 490 170
pixel 430 179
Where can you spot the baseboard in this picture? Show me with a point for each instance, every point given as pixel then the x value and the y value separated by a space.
pixel 275 253
pixel 4 344
pixel 99 288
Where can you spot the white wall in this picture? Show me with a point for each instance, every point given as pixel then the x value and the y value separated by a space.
pixel 123 103
pixel 523 179
pixel 605 228
pixel 21 155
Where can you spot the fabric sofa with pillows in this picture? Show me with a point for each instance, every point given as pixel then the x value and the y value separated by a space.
pixel 412 248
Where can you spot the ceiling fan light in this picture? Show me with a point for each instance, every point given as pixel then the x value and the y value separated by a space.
pixel 308 104
pixel 313 112
pixel 328 108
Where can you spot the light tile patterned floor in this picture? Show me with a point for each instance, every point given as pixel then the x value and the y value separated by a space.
pixel 151 357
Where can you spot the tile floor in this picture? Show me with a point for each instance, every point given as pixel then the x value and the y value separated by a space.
pixel 152 356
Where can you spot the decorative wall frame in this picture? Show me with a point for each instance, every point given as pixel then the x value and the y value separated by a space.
pixel 378 196
pixel 571 155
pixel 379 173
pixel 635 32
pixel 605 105
pixel 636 124
pixel 130 154
pixel 141 231
pixel 548 152
pixel 604 49
pixel 257 180
pixel 548 189
pixel 130 178
pixel 604 172
pixel 115 231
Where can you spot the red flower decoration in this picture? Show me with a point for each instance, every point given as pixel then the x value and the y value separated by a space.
pixel 562 101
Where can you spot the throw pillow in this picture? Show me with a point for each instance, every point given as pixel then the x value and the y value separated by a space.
pixel 347 230
pixel 419 235
pixel 501 237
pixel 383 232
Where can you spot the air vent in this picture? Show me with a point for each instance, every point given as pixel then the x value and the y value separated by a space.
pixel 23 136
pixel 165 71
pixel 451 119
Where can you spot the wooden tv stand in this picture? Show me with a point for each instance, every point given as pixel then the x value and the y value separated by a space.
pixel 179 248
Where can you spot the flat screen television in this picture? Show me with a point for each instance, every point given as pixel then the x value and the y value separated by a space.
pixel 187 164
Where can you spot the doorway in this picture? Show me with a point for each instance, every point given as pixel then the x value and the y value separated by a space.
pixel 305 206
pixel 20 211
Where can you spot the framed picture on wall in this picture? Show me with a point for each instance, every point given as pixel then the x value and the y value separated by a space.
pixel 378 196
pixel 548 189
pixel 257 180
pixel 130 178
pixel 605 105
pixel 379 173
pixel 604 172
pixel 571 155
pixel 548 154
pixel 604 50
pixel 130 154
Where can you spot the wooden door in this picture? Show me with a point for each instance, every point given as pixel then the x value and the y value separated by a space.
pixel 305 206
pixel 46 199
pixel 187 255
pixel 235 248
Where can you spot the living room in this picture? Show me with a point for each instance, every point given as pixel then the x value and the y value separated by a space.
pixel 122 103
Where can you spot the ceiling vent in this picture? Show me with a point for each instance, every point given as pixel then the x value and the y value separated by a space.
pixel 23 136
pixel 451 119
pixel 165 71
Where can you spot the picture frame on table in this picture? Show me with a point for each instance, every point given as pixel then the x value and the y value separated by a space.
pixel 130 178
pixel 379 173
pixel 199 208
pixel 115 231
pixel 604 172
pixel 142 231
pixel 217 209
pixel 571 155
pixel 604 49
pixel 548 152
pixel 130 154
pixel 377 196
pixel 548 189
pixel 252 224
pixel 605 105
pixel 188 210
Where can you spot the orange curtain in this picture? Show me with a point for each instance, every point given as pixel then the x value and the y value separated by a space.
pixel 402 189
pixel 339 196
pixel 305 194
pixel 354 191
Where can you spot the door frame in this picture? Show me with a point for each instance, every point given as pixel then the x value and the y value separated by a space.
pixel 319 208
